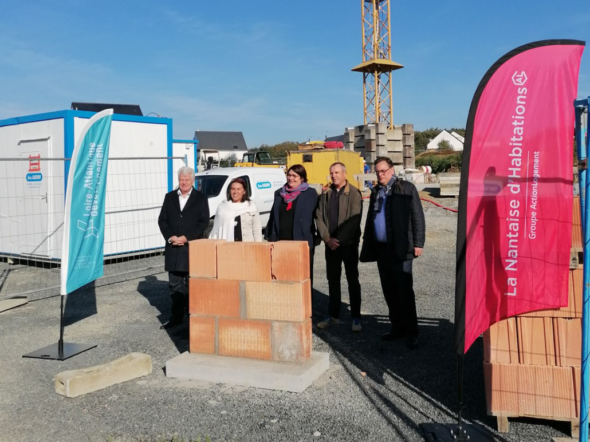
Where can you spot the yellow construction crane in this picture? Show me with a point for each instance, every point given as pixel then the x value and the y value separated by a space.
pixel 377 64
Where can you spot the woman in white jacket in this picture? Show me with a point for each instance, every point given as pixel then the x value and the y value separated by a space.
pixel 237 219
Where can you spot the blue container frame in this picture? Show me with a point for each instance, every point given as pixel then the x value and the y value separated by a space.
pixel 68 118
pixel 581 133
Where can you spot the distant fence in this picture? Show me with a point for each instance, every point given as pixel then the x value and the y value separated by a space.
pixel 32 199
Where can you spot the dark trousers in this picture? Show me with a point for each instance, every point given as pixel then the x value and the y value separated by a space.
pixel 178 284
pixel 334 259
pixel 398 289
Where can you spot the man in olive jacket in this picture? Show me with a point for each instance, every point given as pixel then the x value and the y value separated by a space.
pixel 394 235
pixel 338 219
pixel 183 218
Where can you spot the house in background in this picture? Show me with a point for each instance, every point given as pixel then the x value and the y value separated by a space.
pixel 227 143
pixel 454 139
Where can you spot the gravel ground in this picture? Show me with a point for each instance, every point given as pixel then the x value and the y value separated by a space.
pixel 373 391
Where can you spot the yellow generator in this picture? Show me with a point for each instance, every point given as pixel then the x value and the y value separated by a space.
pixel 317 163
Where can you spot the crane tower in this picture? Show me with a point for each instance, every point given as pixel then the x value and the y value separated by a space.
pixel 377 64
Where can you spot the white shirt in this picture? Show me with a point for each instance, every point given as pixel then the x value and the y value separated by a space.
pixel 183 199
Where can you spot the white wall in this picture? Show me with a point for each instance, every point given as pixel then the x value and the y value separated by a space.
pixel 31 212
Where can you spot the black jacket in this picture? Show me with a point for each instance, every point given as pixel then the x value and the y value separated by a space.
pixel 303 223
pixel 191 222
pixel 404 220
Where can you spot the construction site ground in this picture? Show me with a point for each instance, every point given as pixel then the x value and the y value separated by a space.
pixel 373 390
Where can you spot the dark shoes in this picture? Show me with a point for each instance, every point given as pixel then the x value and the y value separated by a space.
pixel 393 335
pixel 170 324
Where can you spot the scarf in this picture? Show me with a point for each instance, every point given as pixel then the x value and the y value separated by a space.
pixel 382 191
pixel 224 222
pixel 289 195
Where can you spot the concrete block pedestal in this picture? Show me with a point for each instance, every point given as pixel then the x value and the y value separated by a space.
pixel 271 375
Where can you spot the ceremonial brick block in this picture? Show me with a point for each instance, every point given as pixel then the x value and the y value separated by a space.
pixel 536 341
pixel 290 260
pixel 244 339
pixel 278 301
pixel 214 297
pixel 203 258
pixel 370 146
pixel 291 341
pixel 243 261
pixel 568 341
pixel 202 334
pixel 500 342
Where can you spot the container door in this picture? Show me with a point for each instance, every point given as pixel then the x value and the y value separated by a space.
pixel 32 204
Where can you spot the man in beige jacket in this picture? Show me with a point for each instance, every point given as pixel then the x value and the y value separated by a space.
pixel 338 219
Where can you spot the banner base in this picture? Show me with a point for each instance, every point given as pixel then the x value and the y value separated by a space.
pixel 448 433
pixel 53 352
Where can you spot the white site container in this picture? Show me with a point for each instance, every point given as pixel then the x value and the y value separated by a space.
pixel 32 194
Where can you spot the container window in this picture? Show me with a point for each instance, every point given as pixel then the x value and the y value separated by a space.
pixel 307 158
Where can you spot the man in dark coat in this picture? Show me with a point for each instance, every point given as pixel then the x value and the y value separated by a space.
pixel 394 236
pixel 183 218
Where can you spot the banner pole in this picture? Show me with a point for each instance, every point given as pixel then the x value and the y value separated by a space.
pixel 581 141
pixel 461 433
pixel 61 327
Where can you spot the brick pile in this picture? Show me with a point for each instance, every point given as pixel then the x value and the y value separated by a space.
pixel 532 361
pixel 250 300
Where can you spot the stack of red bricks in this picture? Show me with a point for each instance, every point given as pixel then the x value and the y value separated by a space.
pixel 250 300
pixel 532 361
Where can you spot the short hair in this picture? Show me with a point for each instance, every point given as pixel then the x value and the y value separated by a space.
pixel 381 159
pixel 245 196
pixel 338 163
pixel 186 171
pixel 299 170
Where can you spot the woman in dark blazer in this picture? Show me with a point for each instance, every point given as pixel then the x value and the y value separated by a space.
pixel 293 210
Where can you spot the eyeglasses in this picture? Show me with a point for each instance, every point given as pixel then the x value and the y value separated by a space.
pixel 382 172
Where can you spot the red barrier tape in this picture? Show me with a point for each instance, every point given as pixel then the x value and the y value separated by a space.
pixel 438 205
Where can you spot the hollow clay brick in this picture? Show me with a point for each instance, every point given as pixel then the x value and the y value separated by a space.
pixel 291 342
pixel 244 261
pixel 278 301
pixel 244 339
pixel 500 342
pixel 290 260
pixel 214 297
pixel 202 334
pixel 202 259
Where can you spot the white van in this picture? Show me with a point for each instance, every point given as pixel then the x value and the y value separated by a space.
pixel 261 183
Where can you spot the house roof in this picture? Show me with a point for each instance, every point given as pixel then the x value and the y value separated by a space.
pixel 222 141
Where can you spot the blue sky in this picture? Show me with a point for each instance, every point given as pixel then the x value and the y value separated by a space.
pixel 275 70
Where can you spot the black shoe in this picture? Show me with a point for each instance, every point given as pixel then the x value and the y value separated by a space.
pixel 393 335
pixel 170 324
pixel 412 342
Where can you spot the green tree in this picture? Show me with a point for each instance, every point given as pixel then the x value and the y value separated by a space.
pixel 444 145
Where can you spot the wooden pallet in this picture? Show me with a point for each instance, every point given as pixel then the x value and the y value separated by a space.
pixel 504 424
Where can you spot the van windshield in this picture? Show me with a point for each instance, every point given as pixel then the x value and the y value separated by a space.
pixel 210 185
